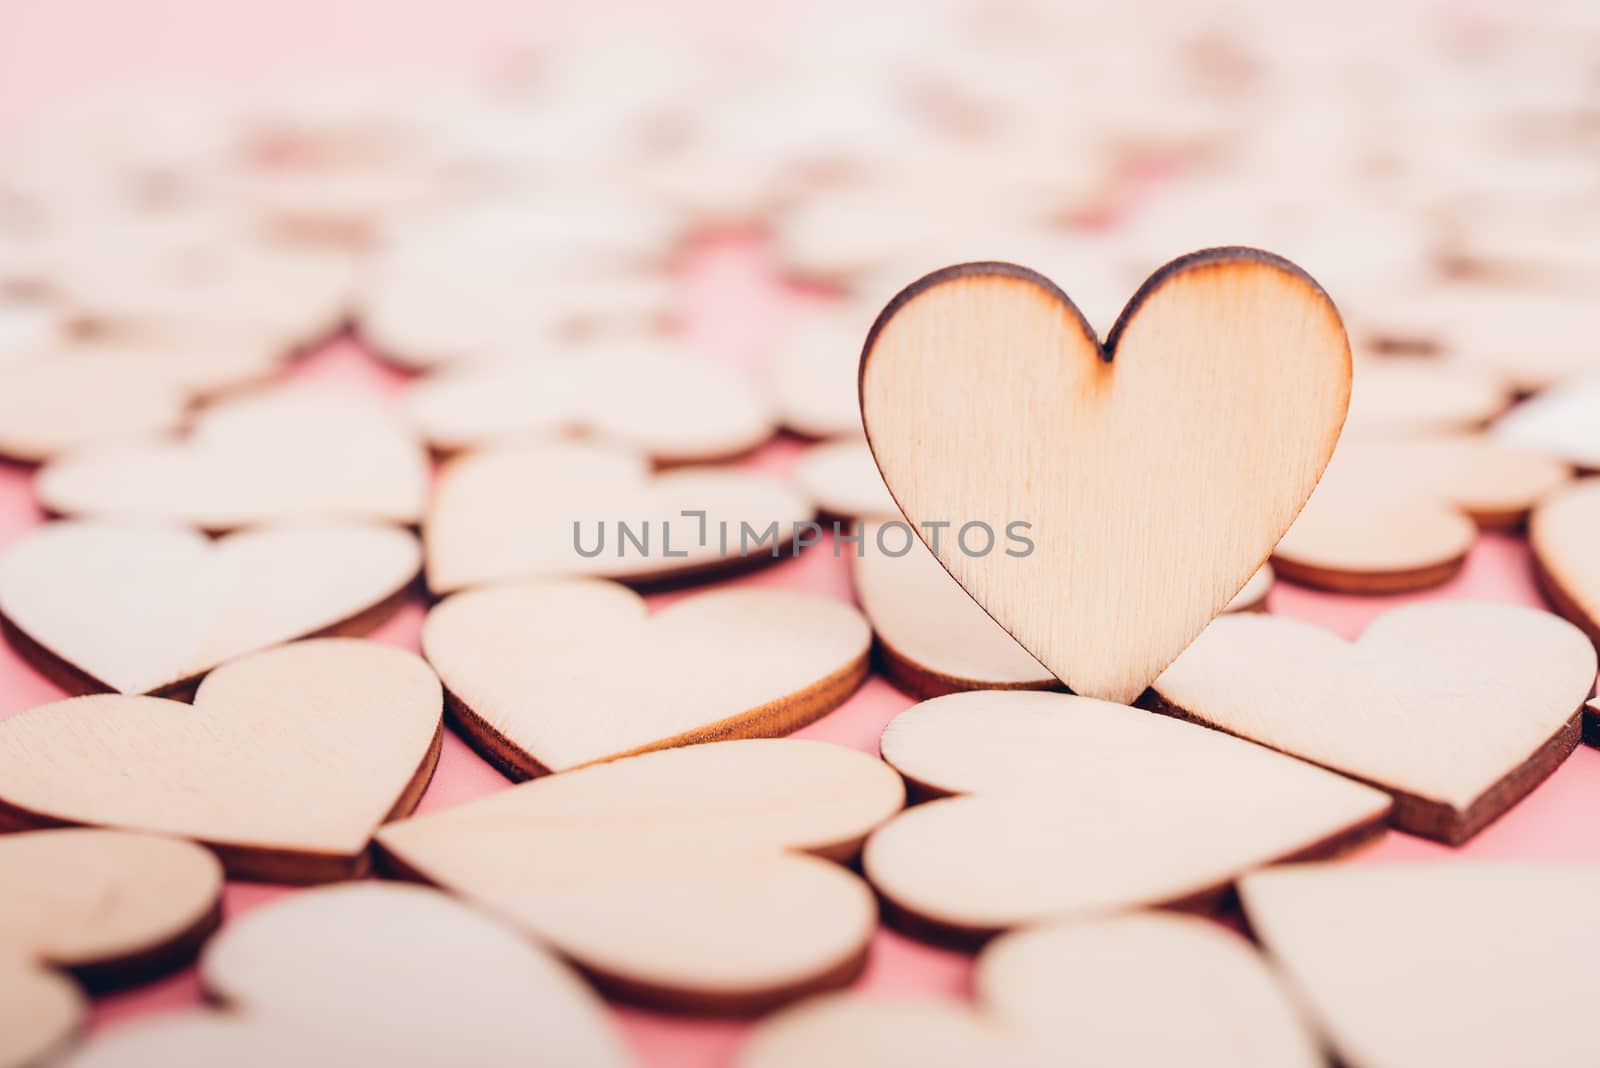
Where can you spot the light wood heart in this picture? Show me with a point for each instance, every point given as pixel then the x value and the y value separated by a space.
pixel 535 692
pixel 538 511
pixel 1561 533
pixel 284 454
pixel 1456 708
pixel 674 405
pixel 371 973
pixel 1400 515
pixel 660 875
pixel 1559 422
pixel 149 609
pixel 284 765
pixel 1477 965
pixel 1155 472
pixel 933 639
pixel 1052 805
pixel 51 405
pixel 844 481
pixel 1066 994
pixel 1394 396
pixel 110 908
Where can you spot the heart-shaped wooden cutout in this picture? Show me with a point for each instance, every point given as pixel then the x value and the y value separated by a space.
pixel 109 907
pixel 1475 965
pixel 1456 708
pixel 371 973
pixel 1392 396
pixel 284 765
pixel 660 875
pixel 674 405
pixel 148 609
pixel 1071 806
pixel 842 479
pixel 1401 515
pixel 1561 533
pixel 1066 994
pixel 534 511
pixel 933 639
pixel 535 691
pixel 284 454
pixel 1154 473
pixel 1559 422
pixel 86 393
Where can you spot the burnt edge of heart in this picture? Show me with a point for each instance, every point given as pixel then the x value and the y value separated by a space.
pixel 79 683
pixel 1214 900
pixel 1398 580
pixel 774 719
pixel 1425 817
pixel 1220 256
pixel 265 863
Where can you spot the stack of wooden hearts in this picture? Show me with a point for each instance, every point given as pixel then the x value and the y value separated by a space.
pixel 674 534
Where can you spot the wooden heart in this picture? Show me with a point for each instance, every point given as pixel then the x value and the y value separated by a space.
pixel 1456 708
pixel 1066 994
pixel 148 609
pixel 85 393
pixel 1561 533
pixel 1470 964
pixel 933 639
pixel 660 875
pixel 1155 473
pixel 534 511
pixel 1559 422
pixel 285 454
pixel 675 406
pixel 371 973
pixel 1401 515
pixel 551 676
pixel 1070 806
pixel 109 908
pixel 284 765
pixel 1392 396
pixel 842 479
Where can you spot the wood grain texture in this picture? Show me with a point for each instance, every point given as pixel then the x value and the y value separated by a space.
pixel 987 398
pixel 509 513
pixel 705 879
pixel 933 639
pixel 668 402
pixel 1472 964
pixel 1562 533
pixel 1400 515
pixel 371 973
pixel 1559 422
pixel 555 675
pixel 284 765
pixel 1051 805
pixel 281 454
pixel 109 908
pixel 1066 994
pixel 147 609
pixel 1456 708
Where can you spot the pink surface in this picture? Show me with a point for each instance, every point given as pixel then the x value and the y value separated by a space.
pixel 736 308
pixel 736 305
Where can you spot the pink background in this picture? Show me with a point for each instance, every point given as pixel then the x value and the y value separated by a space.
pixel 736 306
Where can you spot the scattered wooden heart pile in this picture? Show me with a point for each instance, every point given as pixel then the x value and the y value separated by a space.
pixel 974 461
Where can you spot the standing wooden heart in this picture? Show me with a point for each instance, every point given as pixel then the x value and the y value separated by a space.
pixel 1153 473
